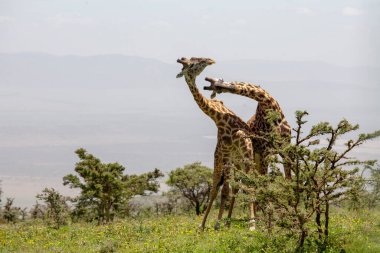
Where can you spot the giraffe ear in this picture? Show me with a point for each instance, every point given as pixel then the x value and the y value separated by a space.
pixel 180 74
pixel 183 71
pixel 213 95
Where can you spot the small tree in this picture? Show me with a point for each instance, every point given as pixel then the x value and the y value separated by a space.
pixel 10 213
pixel 176 202
pixel 194 182
pixel 37 211
pixel 57 208
pixel 321 175
pixel 24 213
pixel 367 191
pixel 374 187
pixel 105 190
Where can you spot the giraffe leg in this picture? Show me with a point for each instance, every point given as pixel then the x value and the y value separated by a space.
pixel 259 166
pixel 224 195
pixel 287 168
pixel 288 172
pixel 216 182
pixel 231 207
pixel 252 216
pixel 235 189
pixel 212 196
pixel 287 158
pixel 248 155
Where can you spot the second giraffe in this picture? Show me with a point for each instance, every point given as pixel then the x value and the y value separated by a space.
pixel 259 124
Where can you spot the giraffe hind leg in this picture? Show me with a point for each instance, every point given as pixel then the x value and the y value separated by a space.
pixel 231 207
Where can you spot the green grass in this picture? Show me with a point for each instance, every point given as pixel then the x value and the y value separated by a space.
pixel 352 232
pixel 360 232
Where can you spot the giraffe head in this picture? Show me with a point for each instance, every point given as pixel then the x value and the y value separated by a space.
pixel 219 86
pixel 193 66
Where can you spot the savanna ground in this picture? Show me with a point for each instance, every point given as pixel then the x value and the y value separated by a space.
pixel 350 232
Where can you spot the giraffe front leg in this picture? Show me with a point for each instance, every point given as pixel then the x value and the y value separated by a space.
pixel 252 216
pixel 287 167
pixel 260 167
pixel 216 182
pixel 212 196
pixel 224 196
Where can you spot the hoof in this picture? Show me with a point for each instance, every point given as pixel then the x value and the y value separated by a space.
pixel 217 226
pixel 252 224
pixel 201 228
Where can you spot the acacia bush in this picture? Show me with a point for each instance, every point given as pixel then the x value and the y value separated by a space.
pixel 194 182
pixel 367 191
pixel 105 189
pixel 57 209
pixel 10 213
pixel 322 173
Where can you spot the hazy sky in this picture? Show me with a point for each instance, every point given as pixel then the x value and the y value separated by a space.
pixel 341 32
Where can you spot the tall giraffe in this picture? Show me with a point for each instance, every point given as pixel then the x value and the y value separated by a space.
pixel 258 123
pixel 233 140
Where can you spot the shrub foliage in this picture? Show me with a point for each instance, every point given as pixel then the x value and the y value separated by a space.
pixel 105 190
pixel 322 173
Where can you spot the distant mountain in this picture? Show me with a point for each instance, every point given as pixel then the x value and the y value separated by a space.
pixel 136 83
pixel 251 70
pixel 103 71
pixel 119 84
pixel 118 71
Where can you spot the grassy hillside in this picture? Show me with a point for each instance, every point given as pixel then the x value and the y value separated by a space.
pixel 353 232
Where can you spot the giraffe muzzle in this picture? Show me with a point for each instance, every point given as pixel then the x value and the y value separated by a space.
pixel 217 85
pixel 183 60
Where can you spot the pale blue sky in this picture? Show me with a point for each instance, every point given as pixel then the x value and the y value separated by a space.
pixel 340 32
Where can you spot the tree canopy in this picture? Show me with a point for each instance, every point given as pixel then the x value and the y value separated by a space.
pixel 194 182
pixel 104 186
pixel 56 204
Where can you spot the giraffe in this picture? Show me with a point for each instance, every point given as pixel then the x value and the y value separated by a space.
pixel 232 141
pixel 258 122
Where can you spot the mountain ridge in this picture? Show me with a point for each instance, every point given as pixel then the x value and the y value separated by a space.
pixel 108 70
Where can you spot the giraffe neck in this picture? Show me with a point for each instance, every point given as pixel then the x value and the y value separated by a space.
pixel 257 93
pixel 203 103
pixel 265 102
